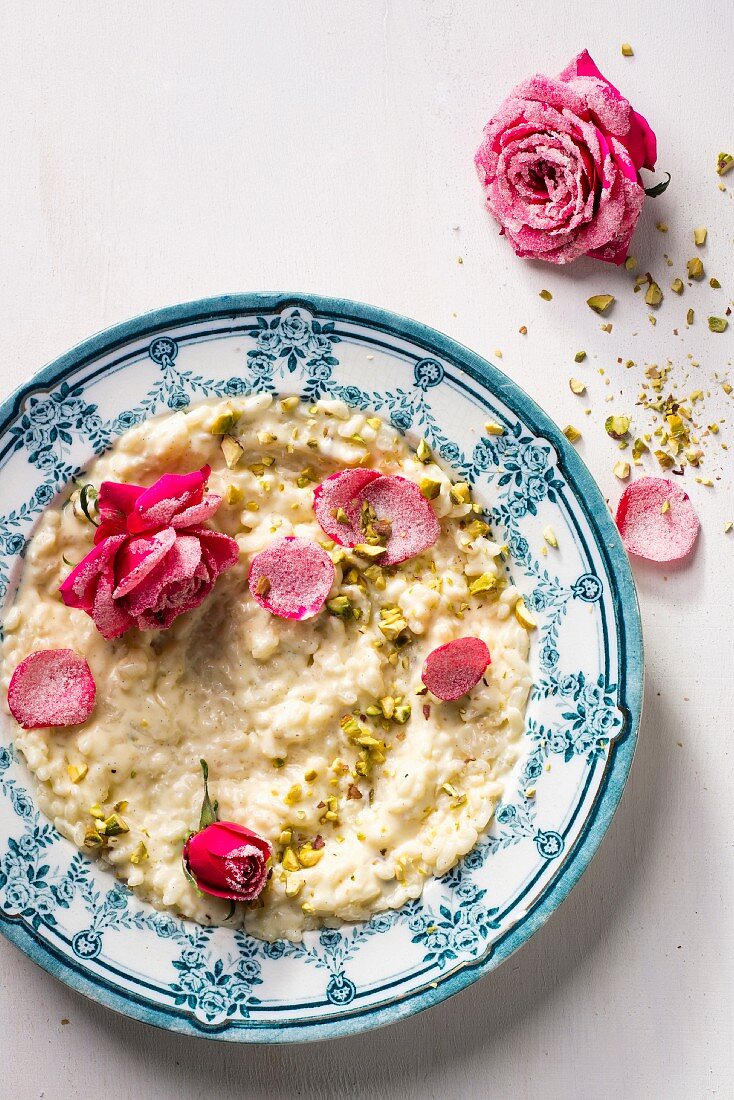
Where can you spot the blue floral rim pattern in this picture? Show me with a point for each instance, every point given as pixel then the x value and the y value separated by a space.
pixel 275 355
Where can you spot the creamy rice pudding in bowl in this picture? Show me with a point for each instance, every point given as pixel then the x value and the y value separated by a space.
pixel 291 597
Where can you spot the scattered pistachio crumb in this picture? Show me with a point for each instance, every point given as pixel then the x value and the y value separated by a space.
pixel 430 488
pixel 572 434
pixel 600 303
pixel 579 357
pixel 550 537
pixel 662 227
pixel 677 286
pixel 689 317
pixel 578 387
pixel 724 163
pixel 607 327
pixel 665 507
pixel 491 428
pixel 630 263
pixel 627 50
pixel 714 283
pixel 728 526
pixel 232 451
pixel 699 235
pixel 653 295
pixel 139 853
pixel 423 452
pixel 617 426
pixel 77 772
pixel 718 324
pixel 695 268
pixel 622 470
pixel 546 295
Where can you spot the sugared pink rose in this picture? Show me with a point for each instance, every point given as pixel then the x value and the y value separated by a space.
pixel 560 164
pixel 153 557
pixel 228 860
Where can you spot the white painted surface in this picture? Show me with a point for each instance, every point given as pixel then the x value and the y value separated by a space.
pixel 157 152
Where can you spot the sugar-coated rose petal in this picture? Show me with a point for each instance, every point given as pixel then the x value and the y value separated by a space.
pixel 80 586
pixel 139 556
pixel 413 520
pixel 52 687
pixel 227 860
pixel 175 574
pixel 115 502
pixel 340 491
pixel 455 668
pixel 292 578
pixel 171 495
pixel 656 520
pixel 197 513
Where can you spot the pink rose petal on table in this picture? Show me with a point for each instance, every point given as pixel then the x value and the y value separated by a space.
pixel 649 532
pixel 452 670
pixel 52 687
pixel 294 577
pixel 414 524
pixel 341 491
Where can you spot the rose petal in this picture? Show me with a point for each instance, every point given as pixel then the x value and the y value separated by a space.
pixel 413 520
pixel 79 588
pixel 139 556
pixel 340 491
pixel 228 861
pixel 52 687
pixel 650 533
pixel 179 565
pixel 197 513
pixel 171 495
pixel 299 576
pixel 452 670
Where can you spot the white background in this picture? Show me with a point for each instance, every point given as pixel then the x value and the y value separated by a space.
pixel 156 152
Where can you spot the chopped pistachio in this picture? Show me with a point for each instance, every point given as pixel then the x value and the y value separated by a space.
pixel 617 426
pixel 622 470
pixel 699 235
pixel 492 428
pixel 77 772
pixel 546 295
pixel 572 434
pixel 278 762
pixel 665 460
pixel 351 726
pixel 387 706
pixel 677 286
pixel 139 853
pixel 341 516
pixel 728 526
pixel 423 452
pixel 232 451
pixel 600 303
pixel 293 888
pixel 374 422
pixel 366 551
pixel 653 295
pixel 665 507
pixel 288 404
pixel 308 909
pixel 714 283
pixel 97 812
pixel 235 495
pixel 630 263
pixel 402 713
pixel 550 537
pixel 308 856
pixel 306 477
pixel 310 775
pixel 523 616
pixel 341 607
pixel 392 625
pixel 93 839
pixel 726 388
pixel 627 50
pixel 695 268
pixel 262 586
pixel 294 795
pixel 224 424
pixel 477 529
pixel 662 227
pixel 487 582
pixel 460 493
pixel 430 488
pixel 718 324
pixel 689 317
pixel 266 437
pixel 577 387
pixel 639 447
pixel 114 825
pixel 290 860
pixel 724 163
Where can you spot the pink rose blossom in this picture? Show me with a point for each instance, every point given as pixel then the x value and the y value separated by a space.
pixel 153 557
pixel 228 860
pixel 560 164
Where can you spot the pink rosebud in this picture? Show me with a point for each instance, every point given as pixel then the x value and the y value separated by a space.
pixel 560 164
pixel 223 858
pixel 153 557
pixel 228 860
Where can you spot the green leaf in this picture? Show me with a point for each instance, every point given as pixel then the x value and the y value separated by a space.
pixel 208 808
pixel 658 188
pixel 87 496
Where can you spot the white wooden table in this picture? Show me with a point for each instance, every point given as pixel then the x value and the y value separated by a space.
pixel 153 153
